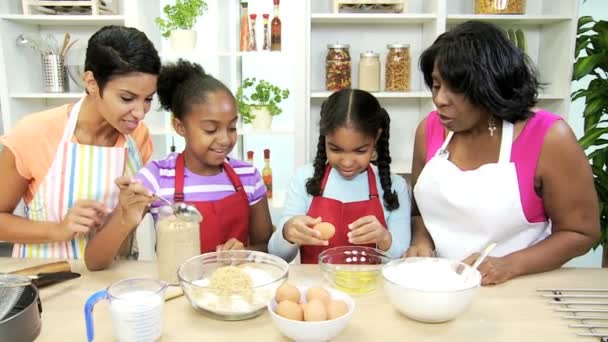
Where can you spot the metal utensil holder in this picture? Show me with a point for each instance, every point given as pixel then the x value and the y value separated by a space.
pixel 54 74
pixel 587 306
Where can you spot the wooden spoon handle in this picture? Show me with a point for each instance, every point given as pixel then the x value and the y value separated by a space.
pixel 59 266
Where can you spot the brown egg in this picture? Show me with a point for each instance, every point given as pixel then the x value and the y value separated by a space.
pixel 326 229
pixel 315 311
pixel 287 292
pixel 290 310
pixel 336 308
pixel 318 293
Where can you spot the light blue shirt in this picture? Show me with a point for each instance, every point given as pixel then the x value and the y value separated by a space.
pixel 298 202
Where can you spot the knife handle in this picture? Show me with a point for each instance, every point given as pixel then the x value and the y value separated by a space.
pixel 59 266
pixel 45 279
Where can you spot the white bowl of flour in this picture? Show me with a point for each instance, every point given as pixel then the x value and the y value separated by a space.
pixel 430 289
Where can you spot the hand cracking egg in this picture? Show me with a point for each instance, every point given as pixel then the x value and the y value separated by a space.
pixel 326 229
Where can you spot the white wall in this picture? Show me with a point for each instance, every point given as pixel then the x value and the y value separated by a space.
pixel 598 9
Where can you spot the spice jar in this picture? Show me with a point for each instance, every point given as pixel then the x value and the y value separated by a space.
pixel 337 67
pixel 369 71
pixel 500 6
pixel 397 76
pixel 177 239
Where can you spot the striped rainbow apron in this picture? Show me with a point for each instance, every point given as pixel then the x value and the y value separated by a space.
pixel 78 172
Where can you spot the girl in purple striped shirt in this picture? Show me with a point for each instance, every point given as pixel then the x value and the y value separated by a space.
pixel 229 193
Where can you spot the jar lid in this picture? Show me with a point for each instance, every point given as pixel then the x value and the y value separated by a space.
pixel 398 46
pixel 370 54
pixel 338 46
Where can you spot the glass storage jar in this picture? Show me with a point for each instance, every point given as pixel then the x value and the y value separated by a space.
pixel 369 71
pixel 397 77
pixel 337 67
pixel 500 6
pixel 177 239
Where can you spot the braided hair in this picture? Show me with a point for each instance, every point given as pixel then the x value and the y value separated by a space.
pixel 361 110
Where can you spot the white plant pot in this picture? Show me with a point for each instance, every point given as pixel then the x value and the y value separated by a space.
pixel 183 41
pixel 262 120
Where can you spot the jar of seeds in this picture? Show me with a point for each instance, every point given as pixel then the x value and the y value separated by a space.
pixel 397 77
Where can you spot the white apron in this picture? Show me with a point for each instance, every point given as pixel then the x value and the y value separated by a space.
pixel 78 172
pixel 465 210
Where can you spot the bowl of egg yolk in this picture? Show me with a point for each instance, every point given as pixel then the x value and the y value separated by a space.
pixel 353 269
pixel 310 314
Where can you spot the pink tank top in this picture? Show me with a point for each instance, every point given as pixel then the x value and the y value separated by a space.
pixel 524 153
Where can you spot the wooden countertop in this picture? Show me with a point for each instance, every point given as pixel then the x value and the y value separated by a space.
pixel 510 312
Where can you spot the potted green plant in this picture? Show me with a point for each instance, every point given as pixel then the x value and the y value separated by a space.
pixel 181 17
pixel 592 37
pixel 261 103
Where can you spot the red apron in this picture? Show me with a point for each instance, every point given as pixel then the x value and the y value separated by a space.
pixel 222 219
pixel 341 215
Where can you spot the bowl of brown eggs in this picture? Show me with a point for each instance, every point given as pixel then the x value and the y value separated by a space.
pixel 310 314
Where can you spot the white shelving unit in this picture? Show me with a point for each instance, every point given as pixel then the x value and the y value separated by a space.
pixel 550 28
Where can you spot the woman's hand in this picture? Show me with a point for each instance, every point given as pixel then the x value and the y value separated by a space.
pixel 420 250
pixel 298 230
pixel 81 218
pixel 493 270
pixel 134 199
pixel 368 229
pixel 232 244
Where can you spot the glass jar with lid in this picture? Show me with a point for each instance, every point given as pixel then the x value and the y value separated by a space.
pixel 337 67
pixel 397 77
pixel 369 71
pixel 177 238
pixel 500 6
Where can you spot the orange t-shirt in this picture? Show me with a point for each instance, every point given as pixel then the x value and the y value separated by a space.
pixel 35 138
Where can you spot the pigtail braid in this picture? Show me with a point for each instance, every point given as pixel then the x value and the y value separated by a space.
pixel 313 185
pixel 391 201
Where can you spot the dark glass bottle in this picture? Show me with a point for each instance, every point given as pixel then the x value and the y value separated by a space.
pixel 275 29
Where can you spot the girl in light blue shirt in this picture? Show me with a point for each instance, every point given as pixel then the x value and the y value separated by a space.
pixel 349 185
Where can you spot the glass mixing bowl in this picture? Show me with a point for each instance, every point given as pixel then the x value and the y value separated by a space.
pixel 267 273
pixel 353 269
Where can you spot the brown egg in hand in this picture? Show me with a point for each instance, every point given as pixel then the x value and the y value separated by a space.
pixel 287 292
pixel 315 311
pixel 290 310
pixel 318 293
pixel 326 229
pixel 336 308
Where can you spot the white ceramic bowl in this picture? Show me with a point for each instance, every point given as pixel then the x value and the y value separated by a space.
pixel 313 331
pixel 430 291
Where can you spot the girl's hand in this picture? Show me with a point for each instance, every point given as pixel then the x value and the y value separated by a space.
pixel 368 229
pixel 493 271
pixel 232 244
pixel 83 216
pixel 419 251
pixel 134 199
pixel 298 230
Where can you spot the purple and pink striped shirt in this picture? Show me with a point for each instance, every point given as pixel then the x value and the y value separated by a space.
pixel 159 176
pixel 524 154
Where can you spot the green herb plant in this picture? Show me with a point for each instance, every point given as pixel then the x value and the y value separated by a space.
pixel 263 94
pixel 182 15
pixel 592 39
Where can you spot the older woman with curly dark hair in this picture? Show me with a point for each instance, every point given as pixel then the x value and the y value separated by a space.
pixel 490 167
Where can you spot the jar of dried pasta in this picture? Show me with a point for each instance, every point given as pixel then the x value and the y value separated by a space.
pixel 337 67
pixel 397 77
pixel 500 6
